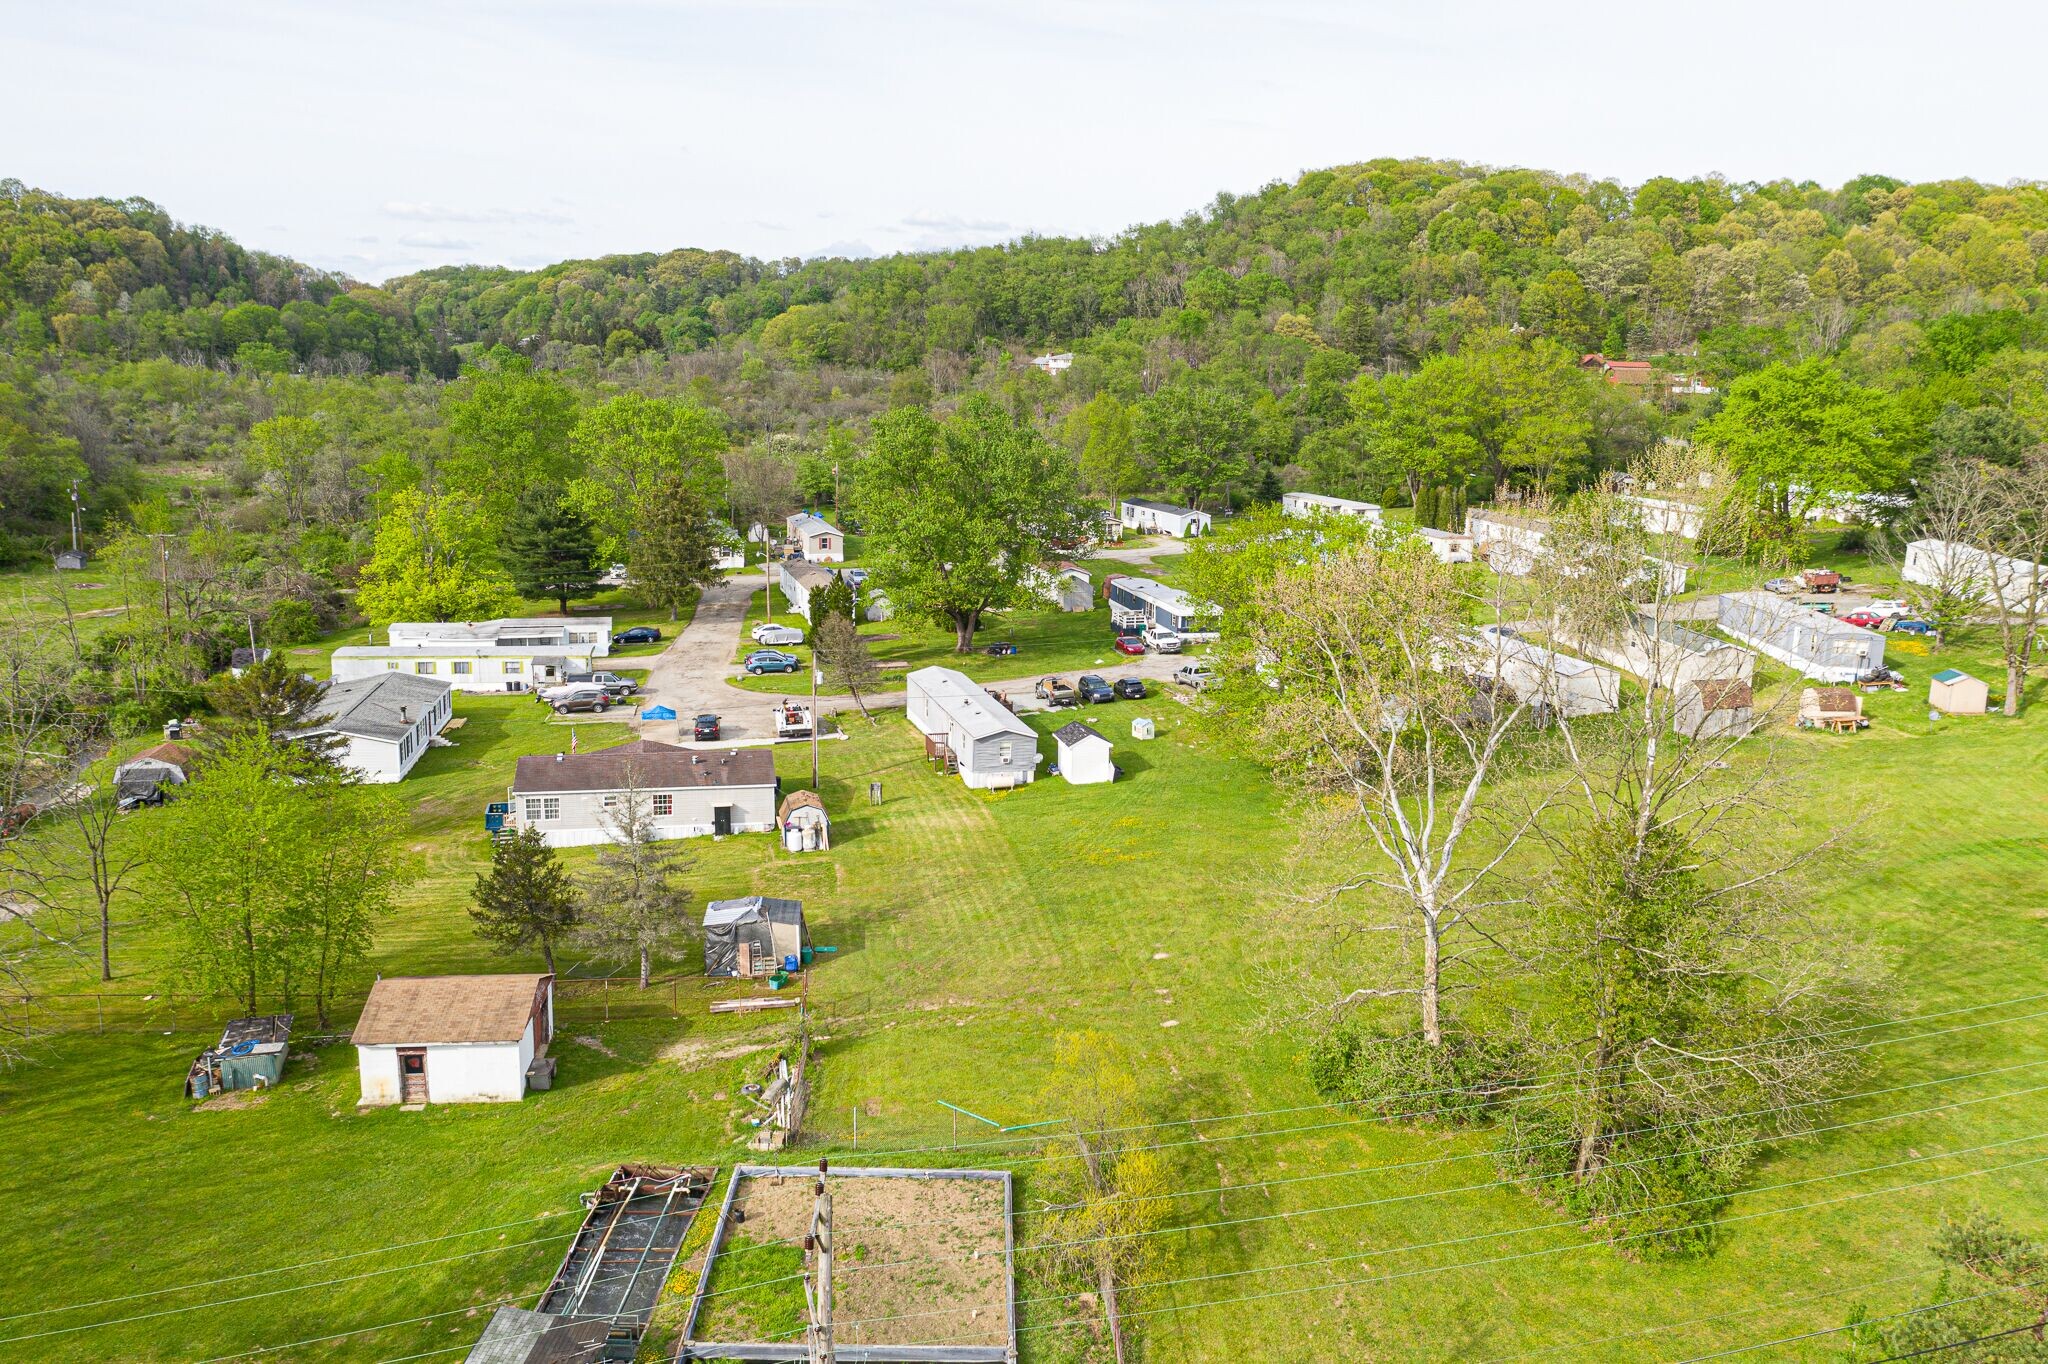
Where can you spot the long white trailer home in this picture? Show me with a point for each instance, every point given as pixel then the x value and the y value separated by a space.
pixel 1510 544
pixel 584 634
pixel 1821 647
pixel 1163 607
pixel 1566 686
pixel 1318 504
pixel 465 667
pixel 1666 515
pixel 1666 654
pixel 1956 569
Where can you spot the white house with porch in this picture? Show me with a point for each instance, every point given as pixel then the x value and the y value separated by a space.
pixel 383 724
pixel 973 732
pixel 453 1039
pixel 817 539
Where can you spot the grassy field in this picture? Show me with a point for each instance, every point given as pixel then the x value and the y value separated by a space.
pixel 972 929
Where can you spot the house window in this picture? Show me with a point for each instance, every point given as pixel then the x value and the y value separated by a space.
pixel 611 800
pixel 1003 752
pixel 513 667
pixel 664 803
pixel 543 807
pixel 459 669
pixel 427 668
pixel 392 666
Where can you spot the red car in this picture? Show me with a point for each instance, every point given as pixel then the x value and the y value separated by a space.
pixel 1130 644
pixel 1869 620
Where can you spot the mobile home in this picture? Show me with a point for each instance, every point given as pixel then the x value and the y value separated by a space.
pixel 1818 645
pixel 1966 571
pixel 991 747
pixel 1162 607
pixel 381 725
pixel 690 793
pixel 1164 518
pixel 1316 504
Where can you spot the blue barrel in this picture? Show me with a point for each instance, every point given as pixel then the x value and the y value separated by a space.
pixel 789 963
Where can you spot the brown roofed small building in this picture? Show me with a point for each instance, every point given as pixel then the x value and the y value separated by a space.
pixel 575 799
pixel 805 825
pixel 453 1039
pixel 1634 373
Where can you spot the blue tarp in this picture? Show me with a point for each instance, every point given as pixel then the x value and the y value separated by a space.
pixel 658 713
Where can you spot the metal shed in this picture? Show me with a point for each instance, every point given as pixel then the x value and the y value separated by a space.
pixel 250 1055
pixel 752 936
pixel 1954 692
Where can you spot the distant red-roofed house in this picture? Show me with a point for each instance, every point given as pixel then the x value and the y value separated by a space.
pixel 1632 372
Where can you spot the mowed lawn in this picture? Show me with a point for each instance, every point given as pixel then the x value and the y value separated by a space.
pixel 972 930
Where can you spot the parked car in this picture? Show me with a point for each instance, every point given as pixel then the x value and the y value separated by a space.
pixel 1129 644
pixel 1782 586
pixel 778 634
pixel 639 634
pixel 1130 688
pixel 1913 627
pixel 1163 641
pixel 1194 676
pixel 1869 620
pixel 613 683
pixel 1055 692
pixel 615 576
pixel 762 627
pixel 772 661
pixel 1002 648
pixel 582 696
pixel 1826 608
pixel 1888 606
pixel 1095 689
pixel 704 727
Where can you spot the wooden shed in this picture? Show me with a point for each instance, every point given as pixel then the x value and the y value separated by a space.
pixel 805 825
pixel 1833 708
pixel 1954 692
pixel 1715 708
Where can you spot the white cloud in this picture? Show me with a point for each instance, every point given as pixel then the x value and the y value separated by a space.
pixel 497 217
pixel 427 241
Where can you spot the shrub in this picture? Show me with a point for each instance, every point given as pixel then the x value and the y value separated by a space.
pixel 291 622
pixel 1460 1082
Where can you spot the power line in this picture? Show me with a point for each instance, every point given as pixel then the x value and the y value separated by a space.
pixel 1315 1127
pixel 1441 1193
pixel 1553 1250
pixel 1552 1226
pixel 1869 1321
pixel 2033 1325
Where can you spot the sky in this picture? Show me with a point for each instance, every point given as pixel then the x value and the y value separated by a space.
pixel 379 138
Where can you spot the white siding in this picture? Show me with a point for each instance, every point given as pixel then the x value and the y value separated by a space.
pixel 578 819
pixel 1087 763
pixel 378 1069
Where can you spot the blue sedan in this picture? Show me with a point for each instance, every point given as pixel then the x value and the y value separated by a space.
pixel 772 661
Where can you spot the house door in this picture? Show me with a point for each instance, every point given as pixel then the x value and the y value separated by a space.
pixel 412 1076
pixel 721 819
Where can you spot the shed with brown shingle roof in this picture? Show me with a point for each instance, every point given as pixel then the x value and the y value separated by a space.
pixel 453 1039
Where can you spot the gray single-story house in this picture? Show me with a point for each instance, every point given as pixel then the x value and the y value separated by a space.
pixel 690 792
pixel 990 746
pixel 752 936
pixel 1818 645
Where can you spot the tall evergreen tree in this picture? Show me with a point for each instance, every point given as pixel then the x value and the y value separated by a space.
pixel 673 547
pixel 526 899
pixel 550 548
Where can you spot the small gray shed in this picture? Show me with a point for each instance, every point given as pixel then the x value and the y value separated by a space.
pixel 752 936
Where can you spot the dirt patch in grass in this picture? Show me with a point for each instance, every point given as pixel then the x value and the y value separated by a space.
pixel 233 1098
pixel 919 1261
pixel 690 1054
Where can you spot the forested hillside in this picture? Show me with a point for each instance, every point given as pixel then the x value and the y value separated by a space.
pixel 1394 328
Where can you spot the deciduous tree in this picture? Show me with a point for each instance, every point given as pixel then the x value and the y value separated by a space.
pixel 634 903
pixel 434 558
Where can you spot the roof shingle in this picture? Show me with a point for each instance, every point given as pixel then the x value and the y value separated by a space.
pixel 411 1010
pixel 652 766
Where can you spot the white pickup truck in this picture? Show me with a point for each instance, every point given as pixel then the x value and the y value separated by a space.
pixel 1194 676
pixel 792 720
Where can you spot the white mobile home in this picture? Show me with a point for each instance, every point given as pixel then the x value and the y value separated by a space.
pixel 382 724
pixel 1818 645
pixel 1319 504
pixel 1163 607
pixel 465 667
pixel 1084 755
pixel 1666 515
pixel 573 798
pixel 1510 544
pixel 817 539
pixel 1666 654
pixel 1449 546
pixel 1164 518
pixel 587 635
pixel 970 729
pixel 1966 571
pixel 1566 686
pixel 453 1039
pixel 799 579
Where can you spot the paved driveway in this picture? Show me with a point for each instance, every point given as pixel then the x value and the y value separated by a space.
pixel 694 674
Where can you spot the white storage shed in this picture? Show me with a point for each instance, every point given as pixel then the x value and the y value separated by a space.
pixel 1085 756
pixel 453 1039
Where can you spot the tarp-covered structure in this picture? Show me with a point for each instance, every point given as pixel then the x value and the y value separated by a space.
pixel 751 936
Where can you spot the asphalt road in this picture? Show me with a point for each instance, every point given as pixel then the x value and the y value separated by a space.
pixel 694 674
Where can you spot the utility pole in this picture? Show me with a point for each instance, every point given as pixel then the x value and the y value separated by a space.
pixel 74 515
pixel 816 673
pixel 818 1281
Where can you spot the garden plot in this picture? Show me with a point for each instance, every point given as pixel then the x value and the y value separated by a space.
pixel 921 1263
